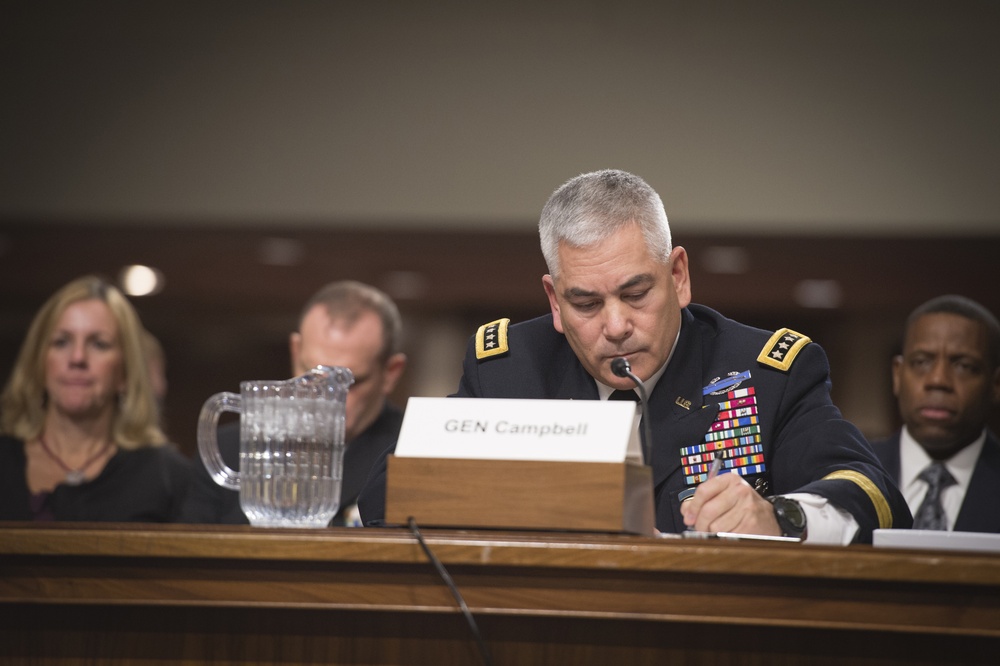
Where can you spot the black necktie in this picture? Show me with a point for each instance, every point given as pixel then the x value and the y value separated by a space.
pixel 930 515
pixel 624 395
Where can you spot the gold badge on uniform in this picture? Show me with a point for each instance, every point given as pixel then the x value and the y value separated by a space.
pixel 491 339
pixel 782 348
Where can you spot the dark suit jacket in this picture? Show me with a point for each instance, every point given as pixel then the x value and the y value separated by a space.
pixel 807 445
pixel 980 510
pixel 211 503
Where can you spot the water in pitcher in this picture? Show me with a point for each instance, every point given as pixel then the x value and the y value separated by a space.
pixel 289 473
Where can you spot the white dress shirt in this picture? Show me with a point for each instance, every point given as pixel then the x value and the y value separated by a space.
pixel 913 459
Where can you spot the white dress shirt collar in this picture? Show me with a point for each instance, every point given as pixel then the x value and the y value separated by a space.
pixel 603 390
pixel 913 459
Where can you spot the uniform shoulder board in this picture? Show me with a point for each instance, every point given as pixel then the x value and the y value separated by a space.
pixel 782 348
pixel 491 339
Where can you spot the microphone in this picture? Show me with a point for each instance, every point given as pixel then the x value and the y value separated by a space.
pixel 622 368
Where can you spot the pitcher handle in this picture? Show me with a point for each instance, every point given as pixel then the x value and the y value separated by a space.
pixel 208 439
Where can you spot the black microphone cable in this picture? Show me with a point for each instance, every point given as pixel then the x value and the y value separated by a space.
pixel 484 650
pixel 622 368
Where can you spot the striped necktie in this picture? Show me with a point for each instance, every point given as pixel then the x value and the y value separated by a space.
pixel 931 515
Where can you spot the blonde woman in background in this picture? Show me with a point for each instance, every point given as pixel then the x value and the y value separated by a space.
pixel 81 439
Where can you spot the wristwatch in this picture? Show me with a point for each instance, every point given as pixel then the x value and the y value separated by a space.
pixel 791 518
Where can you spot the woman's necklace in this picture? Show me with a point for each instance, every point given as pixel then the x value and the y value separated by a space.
pixel 74 477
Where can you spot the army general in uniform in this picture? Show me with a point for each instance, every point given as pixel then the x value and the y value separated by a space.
pixel 760 400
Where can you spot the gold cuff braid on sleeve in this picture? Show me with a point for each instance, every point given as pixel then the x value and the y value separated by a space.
pixel 874 494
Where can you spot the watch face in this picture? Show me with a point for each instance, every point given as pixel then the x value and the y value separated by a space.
pixel 790 517
pixel 793 512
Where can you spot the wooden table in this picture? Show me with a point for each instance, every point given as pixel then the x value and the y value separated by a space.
pixel 130 594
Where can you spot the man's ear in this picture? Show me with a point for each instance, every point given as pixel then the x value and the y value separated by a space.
pixel 897 371
pixel 681 276
pixel 550 291
pixel 294 347
pixel 393 370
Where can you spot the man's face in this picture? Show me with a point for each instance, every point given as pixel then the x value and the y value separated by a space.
pixel 325 341
pixel 615 299
pixel 944 382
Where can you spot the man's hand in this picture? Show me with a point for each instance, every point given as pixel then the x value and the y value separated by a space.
pixel 727 503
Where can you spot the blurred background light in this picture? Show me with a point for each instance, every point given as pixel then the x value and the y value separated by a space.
pixel 281 252
pixel 139 280
pixel 825 294
pixel 725 260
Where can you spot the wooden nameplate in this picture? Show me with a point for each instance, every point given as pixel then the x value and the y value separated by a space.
pixel 520 494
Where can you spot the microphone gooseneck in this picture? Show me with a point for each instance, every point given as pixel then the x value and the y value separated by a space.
pixel 622 368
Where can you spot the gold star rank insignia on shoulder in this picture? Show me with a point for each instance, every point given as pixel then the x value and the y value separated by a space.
pixel 491 339
pixel 782 348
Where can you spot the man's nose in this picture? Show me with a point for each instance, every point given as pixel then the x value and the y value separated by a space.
pixel 940 375
pixel 617 321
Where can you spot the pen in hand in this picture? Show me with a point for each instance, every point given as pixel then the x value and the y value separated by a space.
pixel 713 472
pixel 716 466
